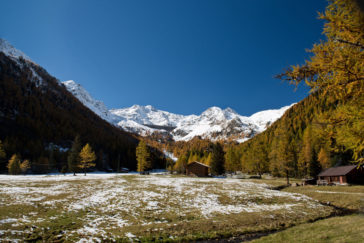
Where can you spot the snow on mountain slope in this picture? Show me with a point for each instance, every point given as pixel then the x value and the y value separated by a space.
pixel 148 115
pixel 98 107
pixel 214 123
pixel 11 51
pixel 264 118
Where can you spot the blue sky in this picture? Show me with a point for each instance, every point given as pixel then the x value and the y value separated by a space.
pixel 182 56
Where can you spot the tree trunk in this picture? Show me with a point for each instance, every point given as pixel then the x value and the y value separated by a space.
pixel 287 177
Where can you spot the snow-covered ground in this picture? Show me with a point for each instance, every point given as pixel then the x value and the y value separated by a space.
pixel 108 206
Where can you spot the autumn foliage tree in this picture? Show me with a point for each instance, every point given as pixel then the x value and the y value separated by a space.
pixel 14 165
pixel 324 158
pixel 24 166
pixel 259 160
pixel 143 157
pixel 232 160
pixel 336 69
pixel 282 155
pixel 87 158
pixel 181 164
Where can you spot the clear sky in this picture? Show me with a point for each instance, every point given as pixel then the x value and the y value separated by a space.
pixel 182 56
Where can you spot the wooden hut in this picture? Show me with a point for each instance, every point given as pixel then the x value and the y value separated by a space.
pixel 349 174
pixel 196 168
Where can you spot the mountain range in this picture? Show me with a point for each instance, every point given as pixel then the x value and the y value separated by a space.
pixel 213 124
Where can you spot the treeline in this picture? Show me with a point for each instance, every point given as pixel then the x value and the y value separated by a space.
pixel 212 155
pixel 78 159
pixel 149 158
pixel 295 145
pixel 39 119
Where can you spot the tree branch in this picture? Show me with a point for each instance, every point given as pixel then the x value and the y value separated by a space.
pixel 351 43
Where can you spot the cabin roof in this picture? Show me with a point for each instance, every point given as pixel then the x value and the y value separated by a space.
pixel 337 171
pixel 196 162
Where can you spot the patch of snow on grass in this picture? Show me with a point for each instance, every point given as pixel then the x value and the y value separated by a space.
pixel 8 220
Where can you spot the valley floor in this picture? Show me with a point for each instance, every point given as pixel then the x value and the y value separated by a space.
pixel 155 207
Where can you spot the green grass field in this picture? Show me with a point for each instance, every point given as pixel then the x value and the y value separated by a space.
pixel 343 229
pixel 346 229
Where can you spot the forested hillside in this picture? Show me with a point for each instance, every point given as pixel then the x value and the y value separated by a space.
pixel 326 128
pixel 39 119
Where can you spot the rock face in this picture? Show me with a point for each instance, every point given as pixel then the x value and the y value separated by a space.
pixel 214 123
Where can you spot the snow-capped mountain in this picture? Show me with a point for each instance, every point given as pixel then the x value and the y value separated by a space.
pixel 214 123
pixel 98 107
pixel 148 115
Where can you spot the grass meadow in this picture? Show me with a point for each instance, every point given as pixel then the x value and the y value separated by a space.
pixel 165 208
pixel 125 207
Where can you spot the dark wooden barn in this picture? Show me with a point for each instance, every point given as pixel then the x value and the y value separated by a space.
pixel 349 174
pixel 196 168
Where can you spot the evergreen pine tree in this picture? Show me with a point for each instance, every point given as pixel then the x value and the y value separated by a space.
pixel 143 157
pixel 14 165
pixel 73 155
pixel 87 158
pixel 217 160
pixel 314 167
pixel 51 160
pixel 2 152
pixel 169 164
pixel 2 155
pixel 64 170
pixel 118 169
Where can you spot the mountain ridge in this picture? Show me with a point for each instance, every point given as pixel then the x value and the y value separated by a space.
pixel 214 123
pixel 38 114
